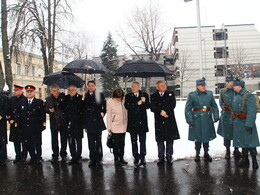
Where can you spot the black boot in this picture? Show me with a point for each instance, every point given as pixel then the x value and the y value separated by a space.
pixel 237 154
pixel 197 158
pixel 243 162
pixel 227 155
pixel 254 162
pixel 207 157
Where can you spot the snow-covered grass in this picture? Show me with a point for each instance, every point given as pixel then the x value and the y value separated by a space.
pixel 183 148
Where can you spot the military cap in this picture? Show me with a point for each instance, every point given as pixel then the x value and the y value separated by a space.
pixel 239 82
pixel 18 87
pixel 29 88
pixel 229 78
pixel 201 81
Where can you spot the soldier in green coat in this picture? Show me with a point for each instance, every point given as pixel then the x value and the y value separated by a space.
pixel 243 120
pixel 199 110
pixel 226 96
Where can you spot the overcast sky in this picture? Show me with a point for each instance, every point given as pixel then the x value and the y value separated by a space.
pixel 97 17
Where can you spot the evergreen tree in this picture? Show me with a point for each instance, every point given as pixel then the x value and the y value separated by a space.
pixel 110 61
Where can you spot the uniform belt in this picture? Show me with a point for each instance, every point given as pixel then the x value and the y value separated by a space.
pixel 239 115
pixel 201 110
pixel 226 108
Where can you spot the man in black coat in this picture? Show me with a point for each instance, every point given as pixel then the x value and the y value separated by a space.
pixel 94 111
pixel 4 106
pixel 15 132
pixel 163 103
pixel 73 107
pixel 32 121
pixel 57 123
pixel 136 104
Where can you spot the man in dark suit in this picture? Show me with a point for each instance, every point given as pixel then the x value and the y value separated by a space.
pixel 136 104
pixel 15 132
pixel 4 106
pixel 94 111
pixel 57 123
pixel 32 121
pixel 73 107
pixel 163 103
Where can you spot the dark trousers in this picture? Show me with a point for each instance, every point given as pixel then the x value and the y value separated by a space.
pixel 20 150
pixel 3 151
pixel 75 145
pixel 227 143
pixel 198 146
pixel 142 140
pixel 252 151
pixel 119 146
pixel 35 150
pixel 55 143
pixel 95 146
pixel 169 149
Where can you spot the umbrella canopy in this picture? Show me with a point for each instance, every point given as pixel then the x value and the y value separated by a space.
pixel 63 79
pixel 143 68
pixel 85 66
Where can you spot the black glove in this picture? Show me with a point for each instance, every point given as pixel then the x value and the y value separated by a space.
pixel 191 124
pixel 248 128
pixel 216 120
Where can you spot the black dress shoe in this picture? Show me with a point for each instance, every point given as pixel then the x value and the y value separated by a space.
pixel 142 163
pixel 197 158
pixel 54 160
pixel 207 157
pixel 91 163
pixel 17 160
pixel 73 162
pixel 136 162
pixel 123 162
pixel 160 162
pixel 169 161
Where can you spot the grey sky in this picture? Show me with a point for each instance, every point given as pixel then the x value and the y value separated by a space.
pixel 97 17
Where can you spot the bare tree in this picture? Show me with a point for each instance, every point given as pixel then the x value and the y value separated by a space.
pixel 2 80
pixel 45 19
pixel 10 35
pixel 146 34
pixel 184 65
pixel 239 61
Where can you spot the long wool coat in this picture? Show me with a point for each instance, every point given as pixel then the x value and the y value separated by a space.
pixel 165 128
pixel 203 129
pixel 224 127
pixel 241 137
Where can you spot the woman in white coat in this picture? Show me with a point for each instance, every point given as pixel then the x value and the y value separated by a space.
pixel 117 124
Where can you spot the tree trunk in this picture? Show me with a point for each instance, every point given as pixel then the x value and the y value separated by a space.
pixel 5 45
pixel 2 80
pixel 147 85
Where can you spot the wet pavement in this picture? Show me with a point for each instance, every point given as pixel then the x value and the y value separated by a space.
pixel 183 177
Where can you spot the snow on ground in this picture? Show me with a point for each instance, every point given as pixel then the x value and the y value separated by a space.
pixel 183 148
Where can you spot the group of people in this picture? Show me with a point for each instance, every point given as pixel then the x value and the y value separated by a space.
pixel 71 114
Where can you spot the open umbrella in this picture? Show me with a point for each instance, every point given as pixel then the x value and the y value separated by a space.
pixel 143 68
pixel 85 66
pixel 63 79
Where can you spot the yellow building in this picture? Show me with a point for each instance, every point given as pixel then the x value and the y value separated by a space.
pixel 28 69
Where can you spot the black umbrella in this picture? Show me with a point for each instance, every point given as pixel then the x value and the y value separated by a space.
pixel 63 79
pixel 85 66
pixel 143 68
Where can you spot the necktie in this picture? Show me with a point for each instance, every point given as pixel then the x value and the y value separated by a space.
pixel 29 103
pixel 136 95
pixel 161 94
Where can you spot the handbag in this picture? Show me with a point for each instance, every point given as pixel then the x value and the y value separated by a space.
pixel 110 140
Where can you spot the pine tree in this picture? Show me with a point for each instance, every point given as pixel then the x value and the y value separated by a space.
pixel 110 61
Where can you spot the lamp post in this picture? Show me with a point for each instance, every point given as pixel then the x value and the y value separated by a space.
pixel 199 34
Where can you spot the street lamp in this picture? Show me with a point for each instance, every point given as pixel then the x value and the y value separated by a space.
pixel 199 34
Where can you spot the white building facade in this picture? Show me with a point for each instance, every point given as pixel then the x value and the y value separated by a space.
pixel 229 50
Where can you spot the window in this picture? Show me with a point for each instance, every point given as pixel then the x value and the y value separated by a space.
pixel 220 70
pixel 26 70
pixel 33 71
pixel 221 52
pixel 18 69
pixel 220 34
pixel 219 86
